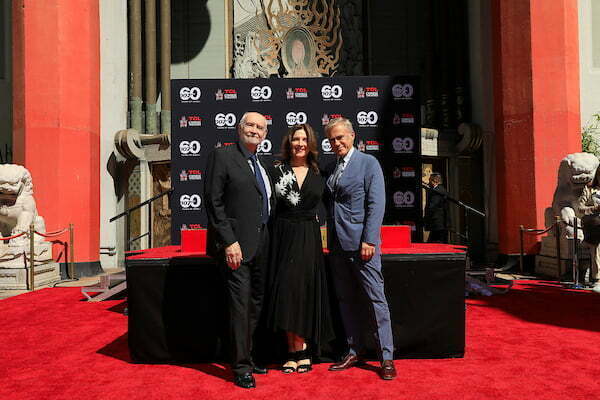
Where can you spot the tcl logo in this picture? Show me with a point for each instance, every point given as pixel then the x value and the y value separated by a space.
pixel 404 199
pixel 367 118
pixel 189 201
pixel 326 145
pixel 403 145
pixel 331 92
pixel 261 93
pixel 265 146
pixel 403 91
pixel 189 147
pixel 186 93
pixel 293 118
pixel 225 119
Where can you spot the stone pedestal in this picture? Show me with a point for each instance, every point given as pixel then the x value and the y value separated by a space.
pixel 546 263
pixel 15 267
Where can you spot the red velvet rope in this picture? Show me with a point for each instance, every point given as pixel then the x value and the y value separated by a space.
pixel 51 234
pixel 13 237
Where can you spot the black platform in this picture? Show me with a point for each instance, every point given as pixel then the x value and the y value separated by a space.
pixel 177 307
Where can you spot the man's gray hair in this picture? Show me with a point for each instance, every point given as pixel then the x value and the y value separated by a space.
pixel 243 119
pixel 345 122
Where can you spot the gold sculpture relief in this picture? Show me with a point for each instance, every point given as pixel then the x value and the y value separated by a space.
pixel 305 33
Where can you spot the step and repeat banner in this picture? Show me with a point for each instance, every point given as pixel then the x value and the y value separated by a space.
pixel 385 112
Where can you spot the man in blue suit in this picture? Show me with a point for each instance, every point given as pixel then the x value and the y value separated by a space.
pixel 356 207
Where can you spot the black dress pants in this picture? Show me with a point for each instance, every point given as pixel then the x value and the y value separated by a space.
pixel 246 288
pixel 438 236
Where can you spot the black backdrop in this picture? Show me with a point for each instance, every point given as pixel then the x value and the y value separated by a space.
pixel 385 112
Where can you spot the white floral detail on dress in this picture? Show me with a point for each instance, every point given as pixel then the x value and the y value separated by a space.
pixel 287 178
pixel 284 186
pixel 280 188
pixel 293 197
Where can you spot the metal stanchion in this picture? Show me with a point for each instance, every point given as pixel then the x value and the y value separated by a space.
pixel 576 284
pixel 521 231
pixel 71 252
pixel 557 238
pixel 31 257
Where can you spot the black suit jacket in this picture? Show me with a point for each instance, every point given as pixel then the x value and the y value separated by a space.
pixel 233 202
pixel 436 209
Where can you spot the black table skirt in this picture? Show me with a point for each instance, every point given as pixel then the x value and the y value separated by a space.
pixel 177 310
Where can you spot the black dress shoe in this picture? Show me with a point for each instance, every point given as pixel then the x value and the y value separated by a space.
pixel 245 381
pixel 259 370
pixel 348 362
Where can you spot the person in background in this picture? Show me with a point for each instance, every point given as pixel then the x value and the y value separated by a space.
pixel 436 210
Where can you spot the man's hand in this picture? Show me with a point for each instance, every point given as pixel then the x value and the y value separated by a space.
pixel 367 251
pixel 233 255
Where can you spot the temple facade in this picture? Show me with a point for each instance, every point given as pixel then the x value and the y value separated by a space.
pixel 507 88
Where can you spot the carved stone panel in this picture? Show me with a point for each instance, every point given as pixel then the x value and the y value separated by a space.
pixel 294 38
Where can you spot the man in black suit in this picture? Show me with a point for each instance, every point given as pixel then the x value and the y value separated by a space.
pixel 238 198
pixel 436 210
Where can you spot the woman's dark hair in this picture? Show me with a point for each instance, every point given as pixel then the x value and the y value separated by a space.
pixel 311 144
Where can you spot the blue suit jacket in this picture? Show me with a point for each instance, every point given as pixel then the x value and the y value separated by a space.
pixel 357 206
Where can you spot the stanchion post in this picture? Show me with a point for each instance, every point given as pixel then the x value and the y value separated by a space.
pixel 521 231
pixel 574 258
pixel 557 238
pixel 31 257
pixel 71 251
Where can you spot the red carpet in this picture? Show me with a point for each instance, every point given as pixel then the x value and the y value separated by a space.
pixel 536 342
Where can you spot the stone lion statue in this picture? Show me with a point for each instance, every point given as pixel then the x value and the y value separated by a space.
pixel 17 205
pixel 576 170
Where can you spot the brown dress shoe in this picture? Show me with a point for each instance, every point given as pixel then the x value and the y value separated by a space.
pixel 388 371
pixel 349 361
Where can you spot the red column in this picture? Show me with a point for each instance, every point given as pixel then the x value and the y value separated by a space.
pixel 536 101
pixel 56 86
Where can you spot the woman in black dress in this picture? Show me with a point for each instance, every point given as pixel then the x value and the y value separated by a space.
pixel 298 302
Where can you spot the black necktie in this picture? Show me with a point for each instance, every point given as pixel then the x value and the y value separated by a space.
pixel 262 188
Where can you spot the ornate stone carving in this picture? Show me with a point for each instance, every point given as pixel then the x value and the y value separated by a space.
pixel 17 212
pixel 18 209
pixel 295 38
pixel 248 63
pixel 575 171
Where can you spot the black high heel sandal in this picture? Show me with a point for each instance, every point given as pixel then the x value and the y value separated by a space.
pixel 291 357
pixel 303 355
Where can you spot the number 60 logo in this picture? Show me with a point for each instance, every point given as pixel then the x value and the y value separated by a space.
pixel 190 201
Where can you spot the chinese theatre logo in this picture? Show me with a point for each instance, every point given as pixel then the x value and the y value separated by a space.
pixel 190 175
pixel 367 92
pixel 183 122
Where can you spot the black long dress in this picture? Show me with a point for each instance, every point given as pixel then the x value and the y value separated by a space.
pixel 298 299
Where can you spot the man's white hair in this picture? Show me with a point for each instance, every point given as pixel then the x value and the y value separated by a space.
pixel 243 119
pixel 345 122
